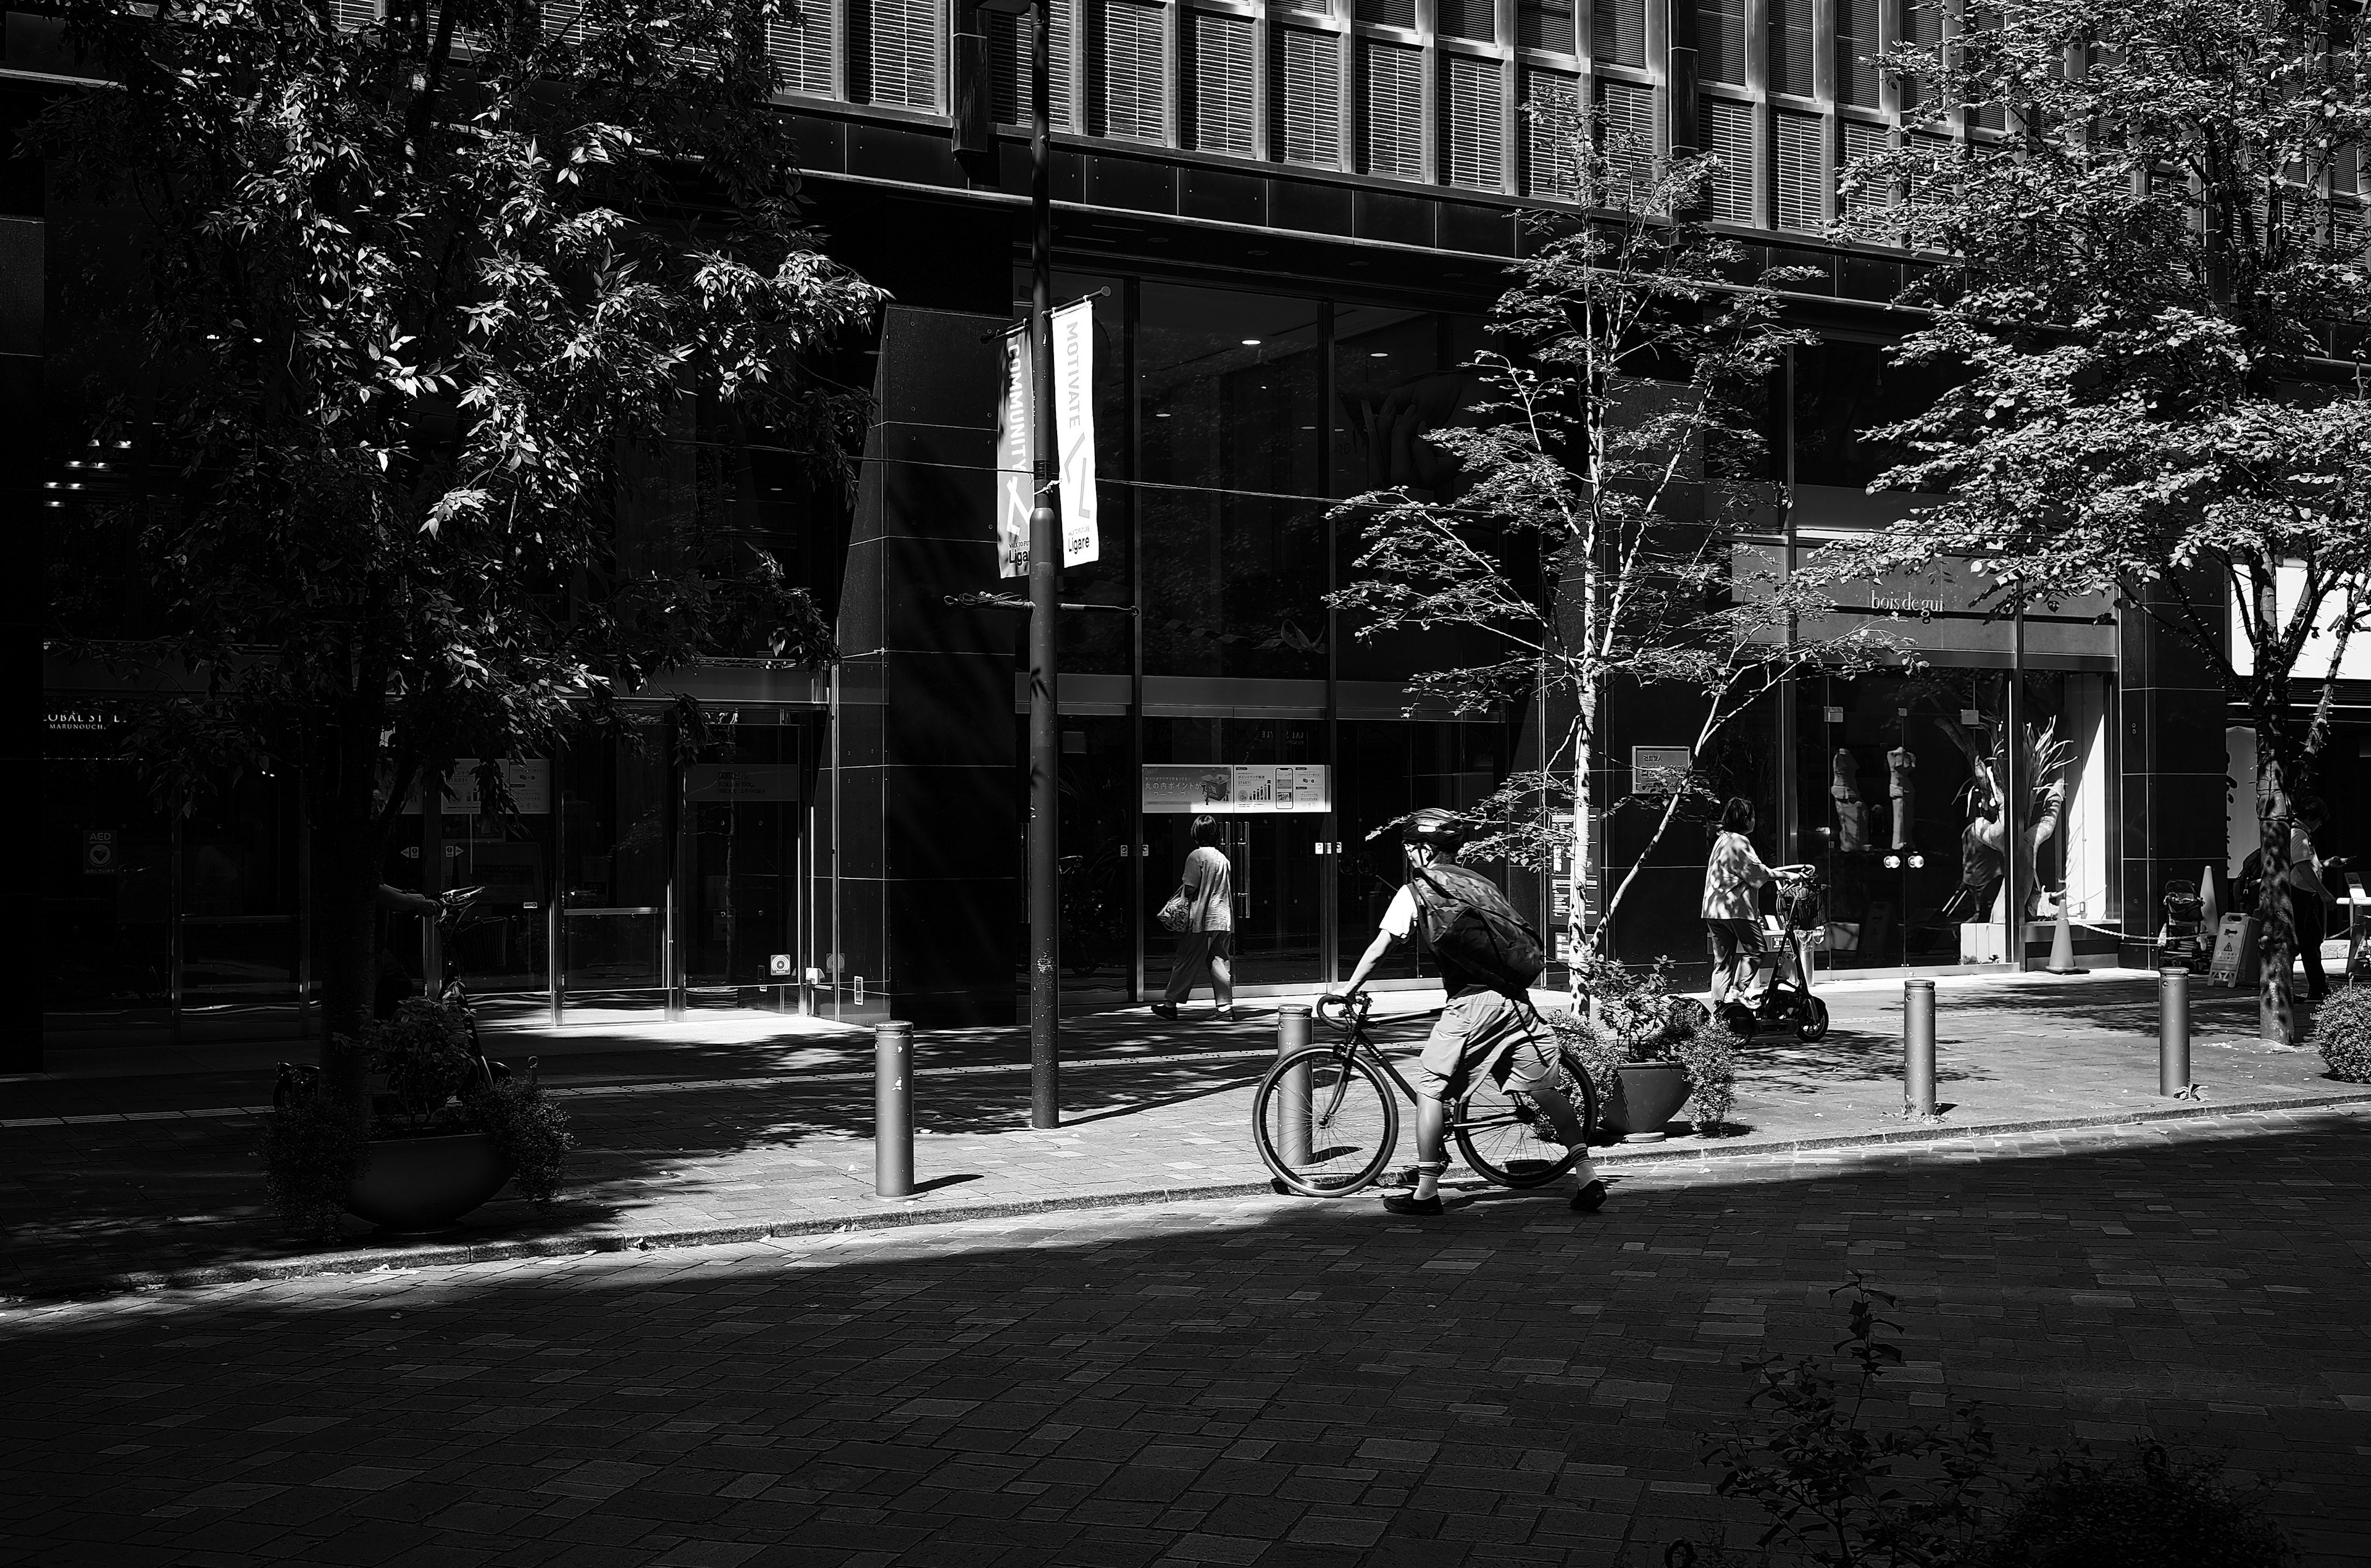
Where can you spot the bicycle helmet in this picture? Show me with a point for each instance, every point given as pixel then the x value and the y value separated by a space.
pixel 1436 826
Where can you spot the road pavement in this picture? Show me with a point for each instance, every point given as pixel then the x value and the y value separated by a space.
pixel 1256 1381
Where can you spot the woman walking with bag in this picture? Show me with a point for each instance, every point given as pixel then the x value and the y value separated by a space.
pixel 1202 913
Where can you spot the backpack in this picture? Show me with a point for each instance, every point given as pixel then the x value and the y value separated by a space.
pixel 1473 928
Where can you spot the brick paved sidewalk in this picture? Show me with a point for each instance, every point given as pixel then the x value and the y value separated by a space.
pixel 89 1202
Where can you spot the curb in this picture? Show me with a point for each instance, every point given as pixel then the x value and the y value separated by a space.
pixel 566 1245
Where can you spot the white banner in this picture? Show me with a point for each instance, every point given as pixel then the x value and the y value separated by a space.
pixel 1074 427
pixel 1012 474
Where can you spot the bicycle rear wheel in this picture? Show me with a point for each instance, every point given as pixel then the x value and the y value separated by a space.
pixel 1324 1126
pixel 1508 1138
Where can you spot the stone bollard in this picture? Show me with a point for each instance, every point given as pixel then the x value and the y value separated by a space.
pixel 1918 1047
pixel 1292 1103
pixel 893 1110
pixel 2172 1031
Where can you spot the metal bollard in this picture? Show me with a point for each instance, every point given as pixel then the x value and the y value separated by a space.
pixel 893 1110
pixel 2172 1031
pixel 1918 1047
pixel 1292 1104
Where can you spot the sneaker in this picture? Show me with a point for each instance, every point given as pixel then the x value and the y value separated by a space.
pixel 1590 1199
pixel 1164 1010
pixel 1408 1203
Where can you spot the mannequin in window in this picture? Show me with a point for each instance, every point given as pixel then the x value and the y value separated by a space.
pixel 1852 812
pixel 1901 785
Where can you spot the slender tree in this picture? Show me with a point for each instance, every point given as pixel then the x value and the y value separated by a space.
pixel 421 298
pixel 2150 273
pixel 1611 513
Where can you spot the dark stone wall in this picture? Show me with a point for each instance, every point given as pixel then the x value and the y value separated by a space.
pixel 928 841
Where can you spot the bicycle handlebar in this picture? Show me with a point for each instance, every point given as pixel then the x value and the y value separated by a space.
pixel 1359 1002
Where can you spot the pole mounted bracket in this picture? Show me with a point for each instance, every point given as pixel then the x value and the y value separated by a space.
pixel 1008 602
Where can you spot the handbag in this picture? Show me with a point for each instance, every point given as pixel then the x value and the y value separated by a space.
pixel 1178 912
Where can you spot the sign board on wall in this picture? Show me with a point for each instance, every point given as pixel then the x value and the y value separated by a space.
pixel 529 779
pixel 741 781
pixel 1224 790
pixel 1661 759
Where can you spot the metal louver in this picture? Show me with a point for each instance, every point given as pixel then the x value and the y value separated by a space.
pixel 1618 32
pixel 1464 18
pixel 1790 48
pixel 1392 122
pixel 1922 26
pixel 1720 40
pixel 1728 137
pixel 1390 13
pixel 1857 42
pixel 800 45
pixel 1552 130
pixel 1625 133
pixel 1802 183
pixel 1135 72
pixel 1545 25
pixel 1868 206
pixel 1309 98
pixel 905 53
pixel 1007 66
pixel 1223 83
pixel 353 16
pixel 1477 129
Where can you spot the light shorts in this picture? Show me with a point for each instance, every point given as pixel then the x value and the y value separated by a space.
pixel 1480 1029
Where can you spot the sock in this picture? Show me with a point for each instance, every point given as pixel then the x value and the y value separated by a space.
pixel 1428 1179
pixel 1584 1170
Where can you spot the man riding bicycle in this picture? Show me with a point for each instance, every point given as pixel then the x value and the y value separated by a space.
pixel 1481 1028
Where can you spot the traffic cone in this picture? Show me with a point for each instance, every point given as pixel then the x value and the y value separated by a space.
pixel 2062 943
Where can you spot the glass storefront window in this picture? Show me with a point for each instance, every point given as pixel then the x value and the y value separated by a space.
pixel 1228 392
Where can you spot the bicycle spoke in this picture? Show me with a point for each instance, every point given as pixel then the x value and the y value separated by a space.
pixel 1324 1125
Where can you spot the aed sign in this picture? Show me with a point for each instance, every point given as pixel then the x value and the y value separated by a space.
pixel 99 850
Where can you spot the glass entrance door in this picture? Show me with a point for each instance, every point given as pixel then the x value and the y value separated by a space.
pixel 743 814
pixel 1277 874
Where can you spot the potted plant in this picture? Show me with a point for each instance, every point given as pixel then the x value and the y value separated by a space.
pixel 447 1134
pixel 1649 1051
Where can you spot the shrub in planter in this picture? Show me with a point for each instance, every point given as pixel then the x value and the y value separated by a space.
pixel 424 1053
pixel 531 1131
pixel 1635 1017
pixel 2341 1028
pixel 309 1158
pixel 1709 1052
pixel 2149 1510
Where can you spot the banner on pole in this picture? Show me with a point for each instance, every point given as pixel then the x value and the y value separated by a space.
pixel 1013 487
pixel 1074 427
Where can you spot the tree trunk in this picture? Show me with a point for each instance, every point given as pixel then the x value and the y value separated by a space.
pixel 2276 939
pixel 346 841
pixel 1577 898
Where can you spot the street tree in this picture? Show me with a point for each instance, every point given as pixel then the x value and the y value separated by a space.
pixel 2150 285
pixel 1610 513
pixel 423 303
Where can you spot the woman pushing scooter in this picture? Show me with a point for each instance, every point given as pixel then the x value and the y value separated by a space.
pixel 1732 872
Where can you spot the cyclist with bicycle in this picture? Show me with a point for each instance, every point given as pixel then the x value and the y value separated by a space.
pixel 1481 1028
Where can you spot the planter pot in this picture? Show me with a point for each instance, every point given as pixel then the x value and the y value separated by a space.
pixel 426 1183
pixel 1650 1095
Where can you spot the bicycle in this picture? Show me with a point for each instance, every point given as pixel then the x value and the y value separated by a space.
pixel 1326 1127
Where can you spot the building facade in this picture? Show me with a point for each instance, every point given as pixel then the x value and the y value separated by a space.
pixel 1291 218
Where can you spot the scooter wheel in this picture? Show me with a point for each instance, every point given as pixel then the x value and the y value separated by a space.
pixel 1739 1019
pixel 1815 1021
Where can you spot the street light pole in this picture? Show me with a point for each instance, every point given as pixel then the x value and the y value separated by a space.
pixel 1044 595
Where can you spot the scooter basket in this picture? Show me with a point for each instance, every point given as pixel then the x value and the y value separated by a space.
pixel 1800 906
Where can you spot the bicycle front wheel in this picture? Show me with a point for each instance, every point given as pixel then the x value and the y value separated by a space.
pixel 1325 1126
pixel 1506 1135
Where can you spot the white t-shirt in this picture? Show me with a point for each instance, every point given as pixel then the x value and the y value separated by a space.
pixel 1399 917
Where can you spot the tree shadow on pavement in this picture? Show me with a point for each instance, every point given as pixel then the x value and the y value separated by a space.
pixel 1319 1382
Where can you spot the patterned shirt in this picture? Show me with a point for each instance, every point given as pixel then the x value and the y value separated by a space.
pixel 1731 877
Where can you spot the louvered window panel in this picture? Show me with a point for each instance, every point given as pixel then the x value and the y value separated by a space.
pixel 1308 95
pixel 1392 124
pixel 1552 131
pixel 353 16
pixel 1464 18
pixel 1008 60
pixel 1321 8
pixel 1390 13
pixel 1720 40
pixel 1135 72
pixel 1477 129
pixel 1618 32
pixel 1545 26
pixel 1790 48
pixel 1625 133
pixel 1728 137
pixel 1222 84
pixel 2347 228
pixel 800 46
pixel 1922 26
pixel 1856 46
pixel 1979 19
pixel 1802 182
pixel 904 53
pixel 1868 204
